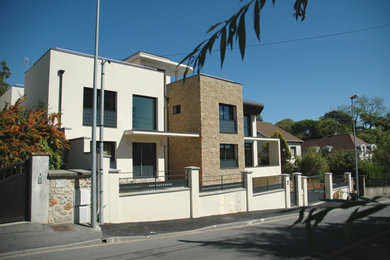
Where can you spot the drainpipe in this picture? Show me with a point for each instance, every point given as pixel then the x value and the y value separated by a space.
pixel 101 147
pixel 60 74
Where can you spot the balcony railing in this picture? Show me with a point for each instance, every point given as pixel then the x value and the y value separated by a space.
pixel 227 126
pixel 109 117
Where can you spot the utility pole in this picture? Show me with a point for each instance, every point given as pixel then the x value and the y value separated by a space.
pixel 354 144
pixel 94 113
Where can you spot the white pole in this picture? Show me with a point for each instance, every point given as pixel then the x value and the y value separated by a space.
pixel 94 109
pixel 101 148
pixel 354 144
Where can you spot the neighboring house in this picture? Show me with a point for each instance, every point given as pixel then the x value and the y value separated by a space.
pixel 342 142
pixel 135 123
pixel 10 97
pixel 228 144
pixel 294 143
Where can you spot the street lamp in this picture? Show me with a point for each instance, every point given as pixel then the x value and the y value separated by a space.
pixel 354 145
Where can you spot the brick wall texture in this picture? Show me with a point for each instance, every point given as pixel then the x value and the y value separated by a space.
pixel 199 97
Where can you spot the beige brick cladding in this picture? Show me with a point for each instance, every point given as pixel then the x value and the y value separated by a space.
pixel 199 97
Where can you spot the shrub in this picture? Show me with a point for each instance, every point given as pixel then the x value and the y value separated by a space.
pixel 24 132
pixel 312 163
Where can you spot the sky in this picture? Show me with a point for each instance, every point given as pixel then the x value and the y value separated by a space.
pixel 299 70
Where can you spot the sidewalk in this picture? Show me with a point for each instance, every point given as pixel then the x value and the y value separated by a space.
pixel 26 237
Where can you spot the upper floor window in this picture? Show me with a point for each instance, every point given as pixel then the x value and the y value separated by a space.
pixel 109 108
pixel 227 119
pixel 144 113
pixel 247 126
pixel 293 151
pixel 176 109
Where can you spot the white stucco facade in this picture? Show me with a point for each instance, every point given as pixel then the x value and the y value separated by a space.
pixel 59 78
pixel 10 97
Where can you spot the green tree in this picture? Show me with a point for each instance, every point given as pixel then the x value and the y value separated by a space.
pixel 24 132
pixel 341 162
pixel 4 74
pixel 286 124
pixel 284 150
pixel 306 129
pixel 233 31
pixel 312 163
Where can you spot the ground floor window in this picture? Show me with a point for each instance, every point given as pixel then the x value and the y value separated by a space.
pixel 248 155
pixel 144 160
pixel 228 156
pixel 293 151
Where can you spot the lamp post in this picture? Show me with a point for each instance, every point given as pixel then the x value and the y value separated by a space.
pixel 354 145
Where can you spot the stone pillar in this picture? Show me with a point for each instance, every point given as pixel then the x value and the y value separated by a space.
pixel 287 191
pixel 40 184
pixel 193 182
pixel 249 190
pixel 112 213
pixel 328 186
pixel 304 191
pixel 348 178
pixel 298 190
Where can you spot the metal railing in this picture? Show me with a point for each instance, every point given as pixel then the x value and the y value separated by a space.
pixel 171 179
pixel 12 169
pixel 220 182
pixel 339 181
pixel 378 182
pixel 263 184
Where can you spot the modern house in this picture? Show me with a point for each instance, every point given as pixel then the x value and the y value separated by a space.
pixel 340 143
pixel 10 97
pixel 294 143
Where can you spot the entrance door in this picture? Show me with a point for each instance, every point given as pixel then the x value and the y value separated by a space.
pixel 144 160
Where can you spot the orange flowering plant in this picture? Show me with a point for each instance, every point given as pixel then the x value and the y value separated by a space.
pixel 23 132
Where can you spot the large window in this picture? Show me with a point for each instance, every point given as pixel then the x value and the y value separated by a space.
pixel 228 156
pixel 227 119
pixel 109 108
pixel 144 113
pixel 247 126
pixel 144 160
pixel 248 155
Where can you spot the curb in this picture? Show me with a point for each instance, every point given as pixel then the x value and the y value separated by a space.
pixel 121 239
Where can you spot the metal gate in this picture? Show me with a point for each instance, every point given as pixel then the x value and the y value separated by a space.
pixel 14 193
pixel 315 188
pixel 293 189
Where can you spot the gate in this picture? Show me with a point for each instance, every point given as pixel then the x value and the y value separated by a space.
pixel 315 188
pixel 293 189
pixel 14 193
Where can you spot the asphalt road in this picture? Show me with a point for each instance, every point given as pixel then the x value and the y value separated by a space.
pixel 370 239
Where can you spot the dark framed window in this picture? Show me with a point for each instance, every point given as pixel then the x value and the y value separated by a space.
pixel 108 149
pixel 227 119
pixel 176 109
pixel 247 126
pixel 110 108
pixel 144 160
pixel 228 156
pixel 248 154
pixel 144 113
pixel 293 151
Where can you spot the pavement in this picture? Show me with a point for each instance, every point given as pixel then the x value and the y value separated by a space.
pixel 25 237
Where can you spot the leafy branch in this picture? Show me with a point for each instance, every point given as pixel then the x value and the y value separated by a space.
pixel 316 215
pixel 233 30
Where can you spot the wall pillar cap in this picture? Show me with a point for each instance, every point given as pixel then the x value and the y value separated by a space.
pixel 192 168
pixel 347 173
pixel 40 154
pixel 328 173
pixel 285 174
pixel 296 173
pixel 305 177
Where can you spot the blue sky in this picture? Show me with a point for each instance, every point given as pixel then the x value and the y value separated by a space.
pixel 298 79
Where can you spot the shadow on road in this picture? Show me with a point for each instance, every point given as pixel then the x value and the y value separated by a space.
pixel 329 241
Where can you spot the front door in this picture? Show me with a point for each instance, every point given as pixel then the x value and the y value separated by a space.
pixel 144 160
